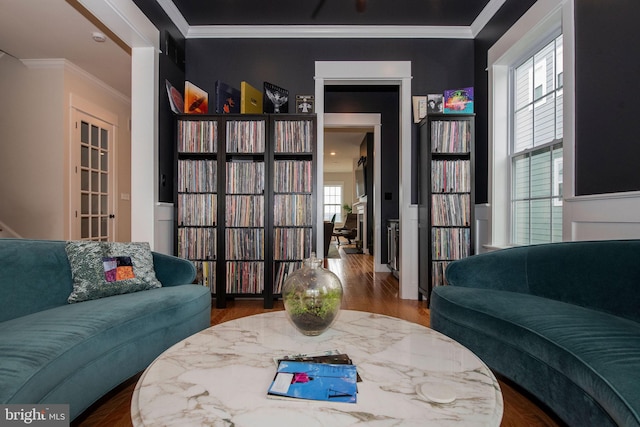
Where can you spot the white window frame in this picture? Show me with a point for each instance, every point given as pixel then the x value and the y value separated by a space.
pixel 540 22
pixel 339 216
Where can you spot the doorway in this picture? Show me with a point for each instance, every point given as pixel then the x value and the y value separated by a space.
pixel 378 73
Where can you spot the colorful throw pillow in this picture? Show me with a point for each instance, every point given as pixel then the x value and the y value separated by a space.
pixel 103 269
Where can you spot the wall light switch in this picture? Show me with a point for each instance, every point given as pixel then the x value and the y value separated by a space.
pixel 124 196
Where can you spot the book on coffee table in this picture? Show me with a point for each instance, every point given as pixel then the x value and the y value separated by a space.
pixel 315 381
pixel 332 356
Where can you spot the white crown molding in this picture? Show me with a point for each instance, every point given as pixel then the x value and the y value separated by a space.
pixel 174 14
pixel 485 16
pixel 64 64
pixel 329 31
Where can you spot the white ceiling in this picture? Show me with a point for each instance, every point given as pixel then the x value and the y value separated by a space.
pixel 58 29
pixel 345 143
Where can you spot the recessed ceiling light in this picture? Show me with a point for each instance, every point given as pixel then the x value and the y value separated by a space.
pixel 333 153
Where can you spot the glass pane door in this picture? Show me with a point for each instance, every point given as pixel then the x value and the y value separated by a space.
pixel 95 211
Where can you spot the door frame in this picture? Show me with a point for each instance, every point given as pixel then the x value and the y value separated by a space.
pixel 396 73
pixel 80 106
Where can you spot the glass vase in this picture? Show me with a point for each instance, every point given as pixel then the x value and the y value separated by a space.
pixel 312 297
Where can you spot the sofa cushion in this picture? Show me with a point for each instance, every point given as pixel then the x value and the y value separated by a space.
pixel 597 351
pixel 102 269
pixel 35 275
pixel 46 356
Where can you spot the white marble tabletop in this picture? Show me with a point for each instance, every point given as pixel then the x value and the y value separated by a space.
pixel 220 377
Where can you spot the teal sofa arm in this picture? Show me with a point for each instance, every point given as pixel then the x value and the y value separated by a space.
pixel 173 271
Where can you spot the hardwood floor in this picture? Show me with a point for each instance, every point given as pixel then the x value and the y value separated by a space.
pixel 363 290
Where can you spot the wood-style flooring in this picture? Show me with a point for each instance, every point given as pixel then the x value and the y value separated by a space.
pixel 363 290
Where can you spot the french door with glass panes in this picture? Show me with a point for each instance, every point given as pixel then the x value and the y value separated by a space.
pixel 93 216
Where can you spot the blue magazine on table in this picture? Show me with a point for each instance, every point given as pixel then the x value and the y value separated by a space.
pixel 315 381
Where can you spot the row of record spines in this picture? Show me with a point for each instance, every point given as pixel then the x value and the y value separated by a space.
pixel 244 244
pixel 292 176
pixel 245 177
pixel 450 210
pixel 197 136
pixel 244 277
pixel 197 209
pixel 246 136
pixel 291 243
pixel 438 276
pixel 282 272
pixel 451 176
pixel 244 211
pixel 450 136
pixel 293 210
pixel 198 243
pixel 206 274
pixel 197 176
pixel 293 136
pixel 450 243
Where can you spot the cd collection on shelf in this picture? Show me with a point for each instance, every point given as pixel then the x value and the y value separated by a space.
pixel 196 209
pixel 244 244
pixel 283 269
pixel 246 136
pixel 438 277
pixel 245 177
pixel 292 176
pixel 197 176
pixel 291 243
pixel 450 243
pixel 197 136
pixel 450 210
pixel 244 277
pixel 247 241
pixel 450 136
pixel 244 211
pixel 293 136
pixel 197 243
pixel 293 210
pixel 450 176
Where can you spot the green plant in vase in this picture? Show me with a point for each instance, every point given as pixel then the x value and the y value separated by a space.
pixel 312 297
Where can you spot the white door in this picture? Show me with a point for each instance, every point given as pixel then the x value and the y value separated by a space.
pixel 93 188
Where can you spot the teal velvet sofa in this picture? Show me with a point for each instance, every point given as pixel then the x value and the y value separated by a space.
pixel 55 352
pixel 561 320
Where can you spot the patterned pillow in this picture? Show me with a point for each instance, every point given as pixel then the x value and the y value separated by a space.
pixel 102 269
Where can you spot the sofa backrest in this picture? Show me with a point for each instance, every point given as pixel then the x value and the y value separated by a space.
pixel 603 275
pixel 34 276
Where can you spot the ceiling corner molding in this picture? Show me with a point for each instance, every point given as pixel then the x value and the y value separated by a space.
pixel 329 31
pixel 66 65
pixel 174 14
pixel 485 16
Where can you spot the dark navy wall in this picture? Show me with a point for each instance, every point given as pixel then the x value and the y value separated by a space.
pixel 607 84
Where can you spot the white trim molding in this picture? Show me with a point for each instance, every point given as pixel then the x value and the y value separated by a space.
pixel 374 73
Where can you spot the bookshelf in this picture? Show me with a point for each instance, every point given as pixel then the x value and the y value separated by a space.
pixel 245 200
pixel 446 196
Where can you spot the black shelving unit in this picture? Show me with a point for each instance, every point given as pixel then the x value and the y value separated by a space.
pixel 446 196
pixel 259 223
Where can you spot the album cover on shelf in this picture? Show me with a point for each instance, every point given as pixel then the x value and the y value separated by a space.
pixel 275 99
pixel 435 103
pixel 227 98
pixel 305 104
pixel 250 99
pixel 458 101
pixel 176 101
pixel 196 100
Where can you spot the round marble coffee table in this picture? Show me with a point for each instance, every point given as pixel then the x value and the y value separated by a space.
pixel 220 377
